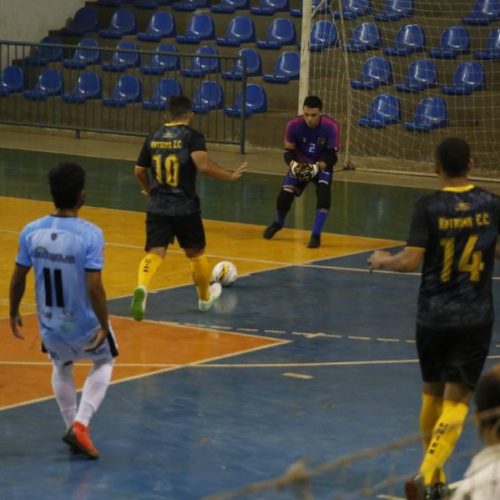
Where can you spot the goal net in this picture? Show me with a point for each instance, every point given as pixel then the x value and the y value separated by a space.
pixel 379 472
pixel 400 75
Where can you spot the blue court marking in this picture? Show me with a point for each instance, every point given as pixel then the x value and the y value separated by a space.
pixel 198 430
pixel 193 432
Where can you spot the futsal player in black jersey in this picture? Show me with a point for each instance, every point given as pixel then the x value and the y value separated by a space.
pixel 166 172
pixel 454 231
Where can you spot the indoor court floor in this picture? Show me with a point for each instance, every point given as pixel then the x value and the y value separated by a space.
pixel 307 355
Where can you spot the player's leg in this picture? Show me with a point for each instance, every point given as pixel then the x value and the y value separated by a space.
pixel 158 237
pixel 457 357
pixel 290 188
pixel 64 389
pixel 323 204
pixel 190 233
pixel 93 393
pixel 430 411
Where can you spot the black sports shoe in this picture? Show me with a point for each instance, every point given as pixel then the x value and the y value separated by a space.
pixel 314 241
pixel 271 230
pixel 439 491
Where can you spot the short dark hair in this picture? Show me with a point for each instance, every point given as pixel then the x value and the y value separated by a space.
pixel 487 398
pixel 179 106
pixel 312 101
pixel 453 156
pixel 66 182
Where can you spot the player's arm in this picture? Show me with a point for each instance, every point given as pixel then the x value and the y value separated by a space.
pixel 97 297
pixel 406 261
pixel 141 167
pixel 329 159
pixel 142 178
pixel 206 166
pixel 289 155
pixel 16 293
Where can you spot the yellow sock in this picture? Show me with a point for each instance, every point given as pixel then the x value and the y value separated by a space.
pixel 444 438
pixel 430 412
pixel 147 269
pixel 201 276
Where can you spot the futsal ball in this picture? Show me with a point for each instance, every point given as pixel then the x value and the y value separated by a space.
pixel 225 273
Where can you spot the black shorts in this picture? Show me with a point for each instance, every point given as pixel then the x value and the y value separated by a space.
pixel 161 230
pixel 452 355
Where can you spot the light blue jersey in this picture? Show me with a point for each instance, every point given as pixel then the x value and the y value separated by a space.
pixel 61 250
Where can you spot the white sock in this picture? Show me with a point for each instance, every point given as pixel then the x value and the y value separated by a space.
pixel 63 386
pixel 94 390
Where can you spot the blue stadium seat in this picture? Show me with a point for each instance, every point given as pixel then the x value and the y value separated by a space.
pixel 409 39
pixel 84 55
pixel 165 59
pixel 376 71
pixel 255 102
pixel 281 32
pixel 49 83
pixel 366 36
pixel 201 64
pixel 240 29
pixel 122 23
pixel 190 5
pixel 88 86
pixel 351 9
pixel 318 7
pixel 230 6
pixel 11 80
pixel 44 54
pixel 269 7
pixel 454 40
pixel 200 27
pixel 128 89
pixel 431 113
pixel 125 56
pixel 491 50
pixel 161 25
pixel 85 21
pixel 207 96
pixel 384 110
pixel 483 12
pixel 468 77
pixel 164 89
pixel 286 68
pixel 394 10
pixel 421 75
pixel 323 35
pixel 253 65
pixel 146 4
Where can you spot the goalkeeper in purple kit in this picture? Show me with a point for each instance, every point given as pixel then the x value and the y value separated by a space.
pixel 311 145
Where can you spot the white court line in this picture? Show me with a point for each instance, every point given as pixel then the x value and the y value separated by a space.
pixel 163 370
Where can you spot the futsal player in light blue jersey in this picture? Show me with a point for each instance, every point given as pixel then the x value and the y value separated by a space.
pixel 66 253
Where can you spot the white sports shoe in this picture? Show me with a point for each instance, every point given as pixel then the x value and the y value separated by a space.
pixel 214 294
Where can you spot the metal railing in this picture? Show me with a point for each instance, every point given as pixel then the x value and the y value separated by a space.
pixel 23 107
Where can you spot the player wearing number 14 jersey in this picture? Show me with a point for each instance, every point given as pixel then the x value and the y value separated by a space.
pixel 454 231
pixel 166 172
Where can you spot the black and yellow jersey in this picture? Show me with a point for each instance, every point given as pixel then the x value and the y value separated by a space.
pixel 458 229
pixel 167 155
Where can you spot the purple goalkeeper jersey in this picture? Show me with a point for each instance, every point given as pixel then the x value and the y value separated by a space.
pixel 311 143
